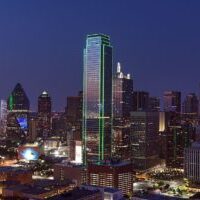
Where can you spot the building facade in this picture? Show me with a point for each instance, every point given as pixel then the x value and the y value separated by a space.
pixel 144 139
pixel 97 98
pixel 192 163
pixel 44 115
pixel 113 175
pixel 18 114
pixel 140 101
pixel 172 101
pixel 122 94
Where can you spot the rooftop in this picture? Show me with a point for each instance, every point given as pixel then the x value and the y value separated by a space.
pixel 75 194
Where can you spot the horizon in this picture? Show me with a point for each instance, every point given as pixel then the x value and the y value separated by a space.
pixel 42 45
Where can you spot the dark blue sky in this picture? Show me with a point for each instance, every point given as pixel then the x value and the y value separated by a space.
pixel 41 43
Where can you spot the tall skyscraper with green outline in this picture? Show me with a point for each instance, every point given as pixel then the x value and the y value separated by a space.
pixel 97 98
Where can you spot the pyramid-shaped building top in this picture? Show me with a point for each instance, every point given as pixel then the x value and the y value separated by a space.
pixel 18 99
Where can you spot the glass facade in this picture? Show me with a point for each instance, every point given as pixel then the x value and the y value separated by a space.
pixel 97 98
pixel 18 114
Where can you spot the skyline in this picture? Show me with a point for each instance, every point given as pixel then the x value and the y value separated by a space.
pixel 42 45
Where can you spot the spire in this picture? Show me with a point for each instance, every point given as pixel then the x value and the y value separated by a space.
pixel 118 67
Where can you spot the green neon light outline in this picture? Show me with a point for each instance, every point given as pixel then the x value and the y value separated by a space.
pixel 103 100
pixel 84 114
pixel 99 100
pixel 11 102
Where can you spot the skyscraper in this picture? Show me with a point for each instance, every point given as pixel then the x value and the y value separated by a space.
pixel 144 139
pixel 191 104
pixel 172 101
pixel 140 101
pixel 3 116
pixel 97 98
pixel 122 94
pixel 154 104
pixel 18 113
pixel 44 114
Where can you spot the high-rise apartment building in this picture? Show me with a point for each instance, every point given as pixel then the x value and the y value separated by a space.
pixel 97 98
pixel 122 94
pixel 112 175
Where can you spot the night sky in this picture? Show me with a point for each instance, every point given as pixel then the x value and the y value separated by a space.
pixel 41 44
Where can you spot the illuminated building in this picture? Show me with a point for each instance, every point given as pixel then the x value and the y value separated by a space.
pixel 59 125
pixel 140 101
pixel 177 139
pixel 122 94
pixel 80 194
pixel 112 174
pixel 122 106
pixel 74 122
pixel 3 116
pixel 172 101
pixel 108 193
pixel 154 104
pixel 191 104
pixel 39 189
pixel 44 114
pixel 190 108
pixel 97 98
pixel 72 171
pixel 74 107
pixel 16 174
pixel 29 152
pixel 18 114
pixel 121 139
pixel 144 139
pixel 192 163
pixel 32 129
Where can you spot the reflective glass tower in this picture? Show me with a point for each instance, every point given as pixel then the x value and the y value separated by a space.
pixel 97 98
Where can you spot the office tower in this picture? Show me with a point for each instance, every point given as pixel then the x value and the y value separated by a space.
pixel 177 139
pixel 18 114
pixel 121 147
pixel 97 98
pixel 191 104
pixel 154 104
pixel 192 163
pixel 73 113
pixel 140 101
pixel 3 116
pixel 32 129
pixel 74 108
pixel 172 101
pixel 122 94
pixel 44 115
pixel 144 139
pixel 113 175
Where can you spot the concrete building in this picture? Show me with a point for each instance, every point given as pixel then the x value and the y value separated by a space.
pixel 192 162
pixel 76 173
pixel 112 174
